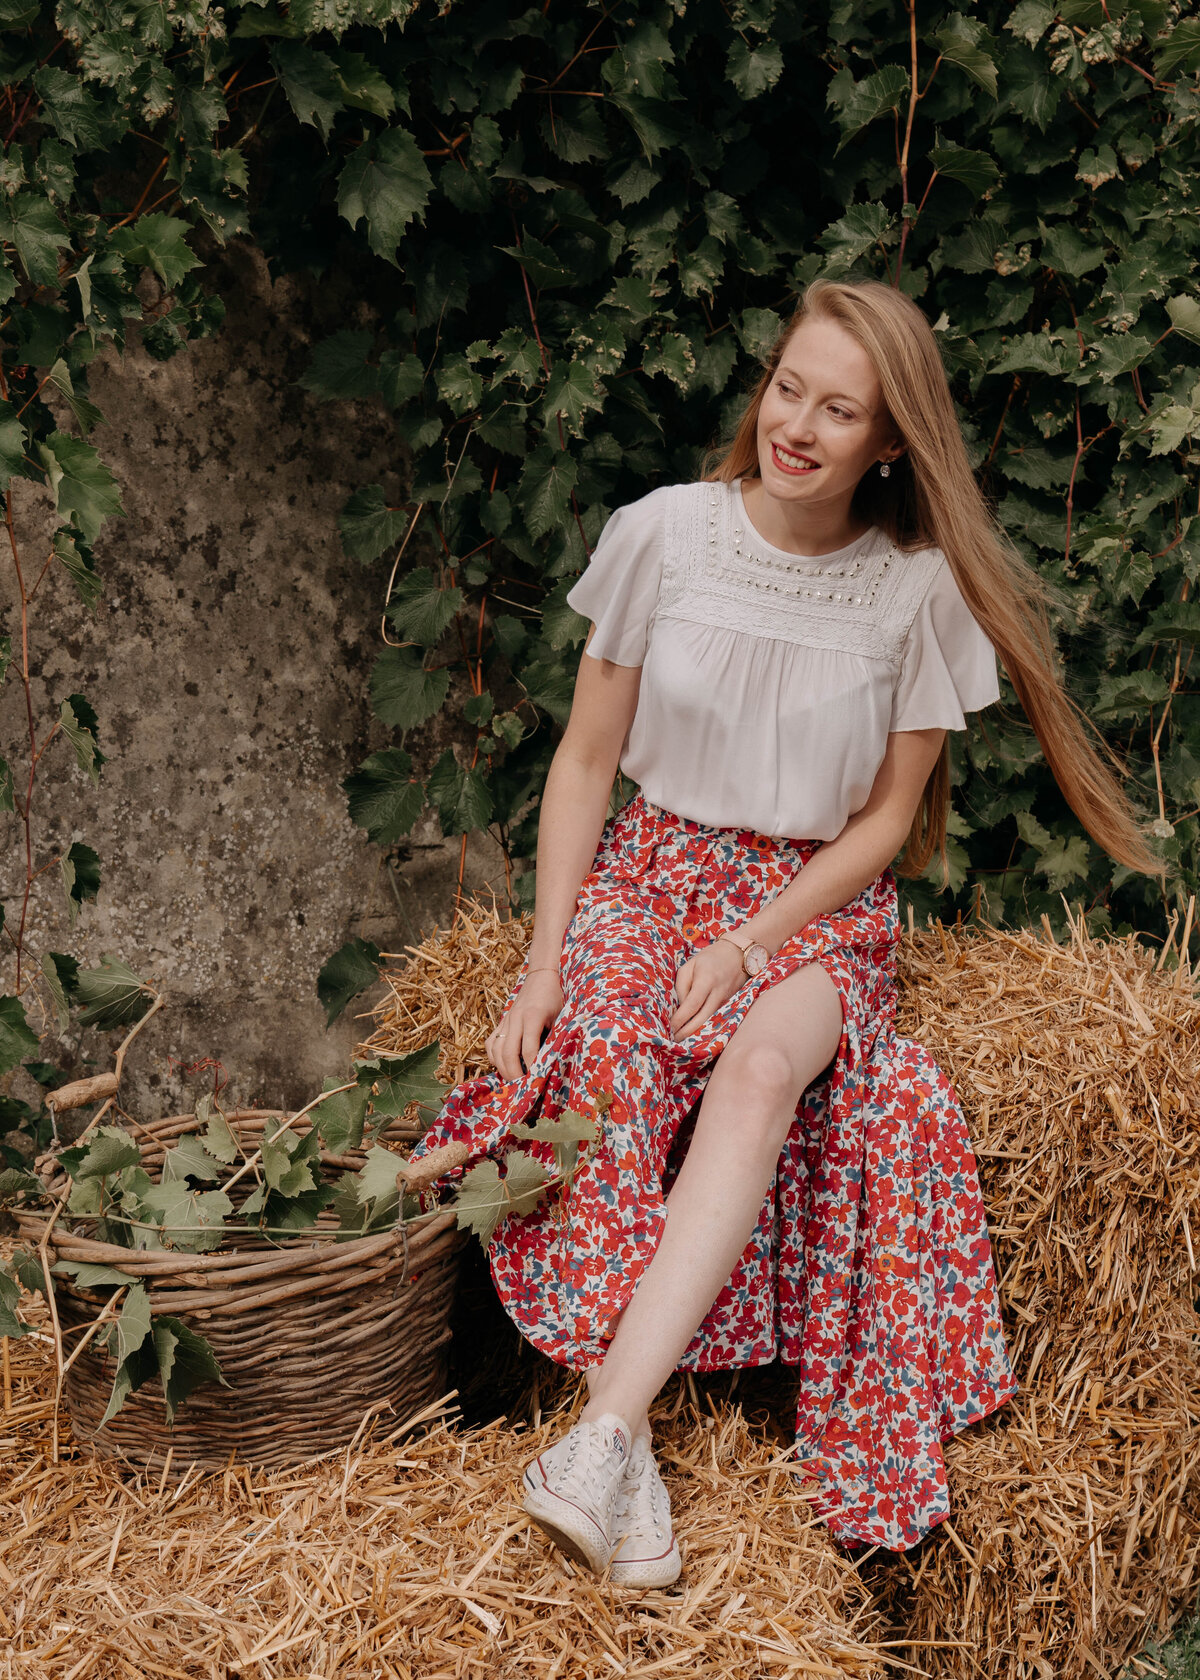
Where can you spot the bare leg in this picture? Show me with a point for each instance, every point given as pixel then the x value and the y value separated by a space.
pixel 788 1036
pixel 639 1428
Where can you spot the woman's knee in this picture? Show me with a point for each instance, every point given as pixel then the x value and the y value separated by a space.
pixel 763 1071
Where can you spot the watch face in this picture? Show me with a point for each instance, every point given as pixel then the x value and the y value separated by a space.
pixel 756 958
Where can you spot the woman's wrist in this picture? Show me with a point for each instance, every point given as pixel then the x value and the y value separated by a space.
pixel 748 933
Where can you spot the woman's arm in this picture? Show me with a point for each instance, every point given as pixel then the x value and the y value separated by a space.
pixel 840 870
pixel 573 812
pixel 834 876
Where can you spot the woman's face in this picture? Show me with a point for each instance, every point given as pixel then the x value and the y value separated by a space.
pixel 822 423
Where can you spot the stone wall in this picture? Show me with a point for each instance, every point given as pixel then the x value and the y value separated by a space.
pixel 228 664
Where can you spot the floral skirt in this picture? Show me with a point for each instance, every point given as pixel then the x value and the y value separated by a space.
pixel 870 1269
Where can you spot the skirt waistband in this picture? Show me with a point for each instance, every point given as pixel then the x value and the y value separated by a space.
pixel 690 825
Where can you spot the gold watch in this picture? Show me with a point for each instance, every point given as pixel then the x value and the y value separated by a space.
pixel 755 957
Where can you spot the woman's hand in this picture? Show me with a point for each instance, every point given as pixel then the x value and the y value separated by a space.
pixel 703 983
pixel 518 1037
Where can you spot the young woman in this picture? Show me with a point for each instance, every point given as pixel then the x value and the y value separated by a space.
pixel 775 656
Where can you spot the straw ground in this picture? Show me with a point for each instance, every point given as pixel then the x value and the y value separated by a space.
pixel 1075 1524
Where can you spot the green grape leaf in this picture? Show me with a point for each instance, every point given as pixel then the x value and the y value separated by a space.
pixel 191 1220
pixel 462 797
pixel 384 183
pixel 884 91
pixel 288 1163
pixel 524 1183
pixel 31 224
pixel 107 1151
pixel 1184 313
pixel 78 723
pixel 1181 48
pixel 565 1132
pixel 573 391
pixel 86 1276
pixel 80 869
pixel 479 1203
pixel 84 489
pixel 400 1081
pixel 546 486
pixel 754 70
pixel 369 526
pixel 975 170
pixel 15 1182
pixel 217 1137
pixel 376 1181
pixel 112 995
pixel 349 971
pixel 10 1295
pixel 339 1118
pixel 189 1159
pixel 421 608
pixel 862 228
pixel 12 445
pixel 310 80
pixel 382 796
pixel 70 548
pixel 126 1341
pixel 71 107
pixel 185 1361
pixel 362 85
pixel 962 41
pixel 545 270
pixel 158 242
pixel 17 1037
pixel 340 366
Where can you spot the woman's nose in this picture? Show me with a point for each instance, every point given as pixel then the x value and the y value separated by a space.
pixel 799 426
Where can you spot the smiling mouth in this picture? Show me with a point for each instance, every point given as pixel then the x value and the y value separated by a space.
pixel 798 465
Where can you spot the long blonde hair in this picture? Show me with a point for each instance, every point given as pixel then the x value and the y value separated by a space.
pixel 931 498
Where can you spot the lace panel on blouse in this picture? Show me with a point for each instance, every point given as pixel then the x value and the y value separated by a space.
pixel 717 571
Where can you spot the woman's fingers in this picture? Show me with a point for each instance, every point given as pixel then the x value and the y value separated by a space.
pixel 503 1045
pixel 531 1038
pixel 515 1043
pixel 694 1012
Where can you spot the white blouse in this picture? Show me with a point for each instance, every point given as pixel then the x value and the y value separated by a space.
pixel 771 680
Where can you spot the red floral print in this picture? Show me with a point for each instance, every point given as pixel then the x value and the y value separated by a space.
pixel 870 1269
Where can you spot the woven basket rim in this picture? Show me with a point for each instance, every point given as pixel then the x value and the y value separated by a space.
pixel 154 1264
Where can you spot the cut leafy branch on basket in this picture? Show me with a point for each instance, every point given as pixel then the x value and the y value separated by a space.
pixel 211 1189
pixel 519 1182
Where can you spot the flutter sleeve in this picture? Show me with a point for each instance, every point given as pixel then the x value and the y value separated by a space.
pixel 619 589
pixel 948 665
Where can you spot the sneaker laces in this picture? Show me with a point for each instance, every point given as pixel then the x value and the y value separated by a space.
pixel 589 1471
pixel 643 1497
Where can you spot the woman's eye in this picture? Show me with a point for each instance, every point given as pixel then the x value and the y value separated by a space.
pixel 842 413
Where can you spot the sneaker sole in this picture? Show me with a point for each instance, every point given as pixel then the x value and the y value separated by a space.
pixel 647 1572
pixel 570 1527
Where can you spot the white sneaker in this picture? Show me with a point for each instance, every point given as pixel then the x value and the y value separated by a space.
pixel 571 1490
pixel 647 1554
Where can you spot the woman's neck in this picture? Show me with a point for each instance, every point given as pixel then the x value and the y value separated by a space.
pixel 807 530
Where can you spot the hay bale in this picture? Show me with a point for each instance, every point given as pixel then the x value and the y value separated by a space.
pixel 405 1559
pixel 1076 1519
pixel 1076 1509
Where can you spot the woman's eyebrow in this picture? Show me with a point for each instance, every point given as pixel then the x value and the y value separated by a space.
pixel 845 395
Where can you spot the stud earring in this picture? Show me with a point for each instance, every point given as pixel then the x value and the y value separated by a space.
pixel 885 468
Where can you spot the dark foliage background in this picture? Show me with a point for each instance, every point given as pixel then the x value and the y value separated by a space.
pixel 573 230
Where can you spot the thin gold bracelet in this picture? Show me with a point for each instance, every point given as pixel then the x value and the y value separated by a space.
pixel 544 968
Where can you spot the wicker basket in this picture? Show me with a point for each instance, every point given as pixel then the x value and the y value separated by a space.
pixel 312 1335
